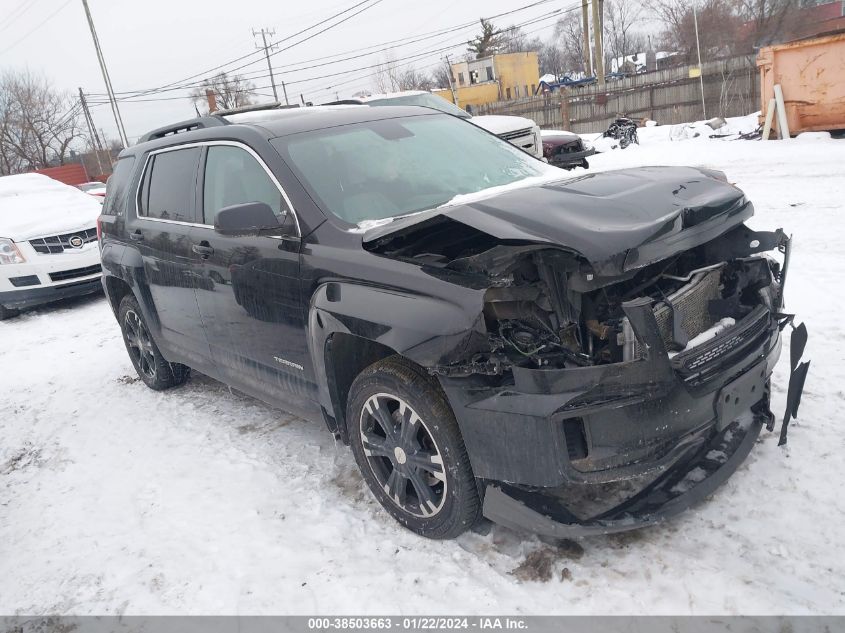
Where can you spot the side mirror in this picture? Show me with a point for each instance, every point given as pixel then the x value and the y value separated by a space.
pixel 249 218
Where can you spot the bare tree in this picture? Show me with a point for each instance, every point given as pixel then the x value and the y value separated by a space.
pixel 569 33
pixel 552 59
pixel 390 77
pixel 231 91
pixel 620 19
pixel 771 21
pixel 442 75
pixel 718 25
pixel 514 40
pixel 38 124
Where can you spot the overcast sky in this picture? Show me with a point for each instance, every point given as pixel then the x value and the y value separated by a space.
pixel 152 43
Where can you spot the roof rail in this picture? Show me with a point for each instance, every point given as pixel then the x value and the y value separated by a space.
pixel 273 105
pixel 184 126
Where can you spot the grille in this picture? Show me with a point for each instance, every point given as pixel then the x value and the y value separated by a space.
pixel 700 359
pixel 74 273
pixel 60 243
pixel 570 148
pixel 509 136
pixel 691 302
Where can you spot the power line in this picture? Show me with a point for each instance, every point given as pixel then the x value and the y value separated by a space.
pixel 16 13
pixel 242 57
pixel 408 58
pixel 36 27
pixel 386 46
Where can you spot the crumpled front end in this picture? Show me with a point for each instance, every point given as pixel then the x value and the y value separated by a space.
pixel 613 394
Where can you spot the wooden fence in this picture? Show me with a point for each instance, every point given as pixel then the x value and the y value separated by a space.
pixel 731 88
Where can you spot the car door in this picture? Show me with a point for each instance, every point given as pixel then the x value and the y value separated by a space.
pixel 252 307
pixel 165 213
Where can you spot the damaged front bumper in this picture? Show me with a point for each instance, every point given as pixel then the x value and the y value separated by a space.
pixel 666 432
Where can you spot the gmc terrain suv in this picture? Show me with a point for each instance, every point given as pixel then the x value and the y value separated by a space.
pixel 565 356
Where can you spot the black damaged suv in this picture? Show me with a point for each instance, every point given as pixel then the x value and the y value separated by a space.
pixel 567 356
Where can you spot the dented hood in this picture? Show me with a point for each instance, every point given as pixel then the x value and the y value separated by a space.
pixel 617 220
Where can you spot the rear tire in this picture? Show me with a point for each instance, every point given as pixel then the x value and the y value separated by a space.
pixel 409 449
pixel 151 366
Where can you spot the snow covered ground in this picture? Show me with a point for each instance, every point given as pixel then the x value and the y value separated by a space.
pixel 117 499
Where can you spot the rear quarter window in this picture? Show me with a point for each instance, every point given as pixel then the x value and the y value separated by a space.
pixel 117 187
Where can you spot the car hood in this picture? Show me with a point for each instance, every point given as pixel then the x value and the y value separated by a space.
pixel 33 206
pixel 501 124
pixel 617 220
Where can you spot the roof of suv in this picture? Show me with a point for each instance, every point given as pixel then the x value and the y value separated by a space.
pixel 282 122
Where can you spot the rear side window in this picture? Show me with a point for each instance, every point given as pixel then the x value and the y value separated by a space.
pixel 233 176
pixel 169 186
pixel 118 186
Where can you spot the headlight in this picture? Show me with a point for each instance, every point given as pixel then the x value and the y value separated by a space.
pixel 9 253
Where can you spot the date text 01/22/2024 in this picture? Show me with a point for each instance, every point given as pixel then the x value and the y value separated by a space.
pixel 416 623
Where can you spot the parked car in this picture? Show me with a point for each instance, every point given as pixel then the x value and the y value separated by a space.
pixel 517 130
pixel 96 189
pixel 48 238
pixel 568 356
pixel 565 149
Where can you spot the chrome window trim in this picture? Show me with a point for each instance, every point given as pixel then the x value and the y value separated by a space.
pixel 239 144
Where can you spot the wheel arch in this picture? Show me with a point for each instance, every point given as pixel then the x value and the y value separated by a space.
pixel 346 356
pixel 116 288
pixel 353 325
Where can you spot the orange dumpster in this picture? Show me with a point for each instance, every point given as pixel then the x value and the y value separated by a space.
pixel 812 75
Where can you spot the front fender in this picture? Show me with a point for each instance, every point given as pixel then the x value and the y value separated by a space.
pixel 428 330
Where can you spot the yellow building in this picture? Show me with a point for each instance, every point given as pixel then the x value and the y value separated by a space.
pixel 495 78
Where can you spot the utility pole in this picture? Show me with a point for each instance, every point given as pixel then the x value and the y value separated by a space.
pixel 700 70
pixel 585 26
pixel 92 132
pixel 118 121
pixel 451 83
pixel 264 33
pixel 598 60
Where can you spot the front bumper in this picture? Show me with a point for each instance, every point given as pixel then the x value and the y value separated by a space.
pixel 43 278
pixel 641 435
pixel 571 159
pixel 30 297
pixel 694 477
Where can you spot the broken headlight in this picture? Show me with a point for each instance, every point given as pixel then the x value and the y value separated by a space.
pixel 9 253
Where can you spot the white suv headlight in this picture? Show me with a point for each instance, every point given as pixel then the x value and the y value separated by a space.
pixel 9 253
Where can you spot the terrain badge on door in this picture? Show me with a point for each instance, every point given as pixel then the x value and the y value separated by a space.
pixel 288 363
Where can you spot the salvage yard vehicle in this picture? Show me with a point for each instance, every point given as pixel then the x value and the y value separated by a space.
pixel 565 149
pixel 516 130
pixel 48 248
pixel 566 356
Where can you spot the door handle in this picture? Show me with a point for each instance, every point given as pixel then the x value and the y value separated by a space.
pixel 203 249
pixel 136 235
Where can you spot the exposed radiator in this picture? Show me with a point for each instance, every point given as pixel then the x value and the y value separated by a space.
pixel 691 302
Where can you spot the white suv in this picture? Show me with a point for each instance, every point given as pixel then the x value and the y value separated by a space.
pixel 523 133
pixel 48 242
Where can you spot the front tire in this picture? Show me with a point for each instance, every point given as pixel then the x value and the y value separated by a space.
pixel 409 450
pixel 151 366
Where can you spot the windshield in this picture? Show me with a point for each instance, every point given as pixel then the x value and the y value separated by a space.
pixel 392 167
pixel 427 100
